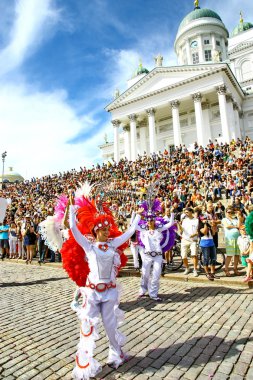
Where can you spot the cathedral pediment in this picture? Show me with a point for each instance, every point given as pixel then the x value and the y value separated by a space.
pixel 161 79
pixel 241 46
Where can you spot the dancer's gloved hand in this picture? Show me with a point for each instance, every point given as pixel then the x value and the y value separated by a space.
pixel 140 210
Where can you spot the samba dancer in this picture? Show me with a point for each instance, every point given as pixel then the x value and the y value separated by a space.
pixel 156 237
pixel 96 277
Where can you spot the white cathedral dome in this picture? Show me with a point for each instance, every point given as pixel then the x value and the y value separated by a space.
pixel 201 38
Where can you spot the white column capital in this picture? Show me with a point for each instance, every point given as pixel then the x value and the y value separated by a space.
pixel 132 117
pixel 197 97
pixel 221 90
pixel 175 104
pixel 235 106
pixel 229 98
pixel 116 123
pixel 151 111
pixel 126 128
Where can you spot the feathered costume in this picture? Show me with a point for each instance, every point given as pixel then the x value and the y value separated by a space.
pixel 52 230
pixel 94 265
pixel 154 242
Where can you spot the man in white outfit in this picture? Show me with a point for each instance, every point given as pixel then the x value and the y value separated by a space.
pixel 151 237
pixel 189 244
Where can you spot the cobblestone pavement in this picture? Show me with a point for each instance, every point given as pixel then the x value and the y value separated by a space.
pixel 197 332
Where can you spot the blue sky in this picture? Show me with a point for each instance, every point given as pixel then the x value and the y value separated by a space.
pixel 61 61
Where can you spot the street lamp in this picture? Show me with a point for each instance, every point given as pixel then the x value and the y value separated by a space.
pixel 4 154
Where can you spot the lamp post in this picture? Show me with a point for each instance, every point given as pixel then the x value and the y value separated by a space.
pixel 4 154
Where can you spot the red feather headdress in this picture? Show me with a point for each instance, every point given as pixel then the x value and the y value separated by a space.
pixel 89 216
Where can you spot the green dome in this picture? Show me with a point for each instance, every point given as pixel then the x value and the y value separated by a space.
pixel 241 27
pixel 196 14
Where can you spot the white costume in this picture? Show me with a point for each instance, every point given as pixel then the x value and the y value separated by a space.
pixel 152 254
pixel 100 295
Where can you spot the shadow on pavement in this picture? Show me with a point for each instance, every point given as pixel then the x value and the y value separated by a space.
pixel 194 353
pixel 192 294
pixel 37 282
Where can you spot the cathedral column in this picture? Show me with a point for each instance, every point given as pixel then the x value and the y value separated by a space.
pixel 127 146
pixel 237 120
pixel 221 91
pixel 224 49
pixel 201 50
pixel 197 97
pixel 188 52
pixel 143 138
pixel 176 122
pixel 232 131
pixel 207 132
pixel 151 127
pixel 116 124
pixel 133 136
pixel 213 39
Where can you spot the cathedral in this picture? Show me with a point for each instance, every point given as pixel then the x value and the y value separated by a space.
pixel 208 95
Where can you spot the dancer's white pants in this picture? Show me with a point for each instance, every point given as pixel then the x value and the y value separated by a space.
pixel 134 250
pixel 106 304
pixel 95 303
pixel 150 284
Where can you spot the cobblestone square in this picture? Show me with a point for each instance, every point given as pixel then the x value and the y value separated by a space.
pixel 197 332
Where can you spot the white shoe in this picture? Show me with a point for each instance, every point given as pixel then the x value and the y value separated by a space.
pixel 195 273
pixel 187 271
pixel 156 298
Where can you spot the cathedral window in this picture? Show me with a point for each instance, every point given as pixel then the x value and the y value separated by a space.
pixel 208 55
pixel 206 42
pixel 195 58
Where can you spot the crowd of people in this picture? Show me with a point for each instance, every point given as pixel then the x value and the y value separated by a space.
pixel 193 184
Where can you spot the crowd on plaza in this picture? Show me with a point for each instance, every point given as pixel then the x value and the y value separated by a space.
pixel 213 185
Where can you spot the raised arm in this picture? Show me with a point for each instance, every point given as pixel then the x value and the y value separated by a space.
pixel 169 224
pixel 80 238
pixel 129 232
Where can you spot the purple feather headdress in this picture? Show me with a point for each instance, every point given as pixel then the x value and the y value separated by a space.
pixel 152 207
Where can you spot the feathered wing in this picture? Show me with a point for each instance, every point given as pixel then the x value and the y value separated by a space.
pixel 51 233
pixel 249 225
pixel 60 207
pixel 169 237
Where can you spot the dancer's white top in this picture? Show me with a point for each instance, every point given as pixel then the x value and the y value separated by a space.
pixel 151 239
pixel 102 257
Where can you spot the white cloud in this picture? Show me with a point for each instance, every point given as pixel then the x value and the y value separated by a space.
pixel 33 19
pixel 35 128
